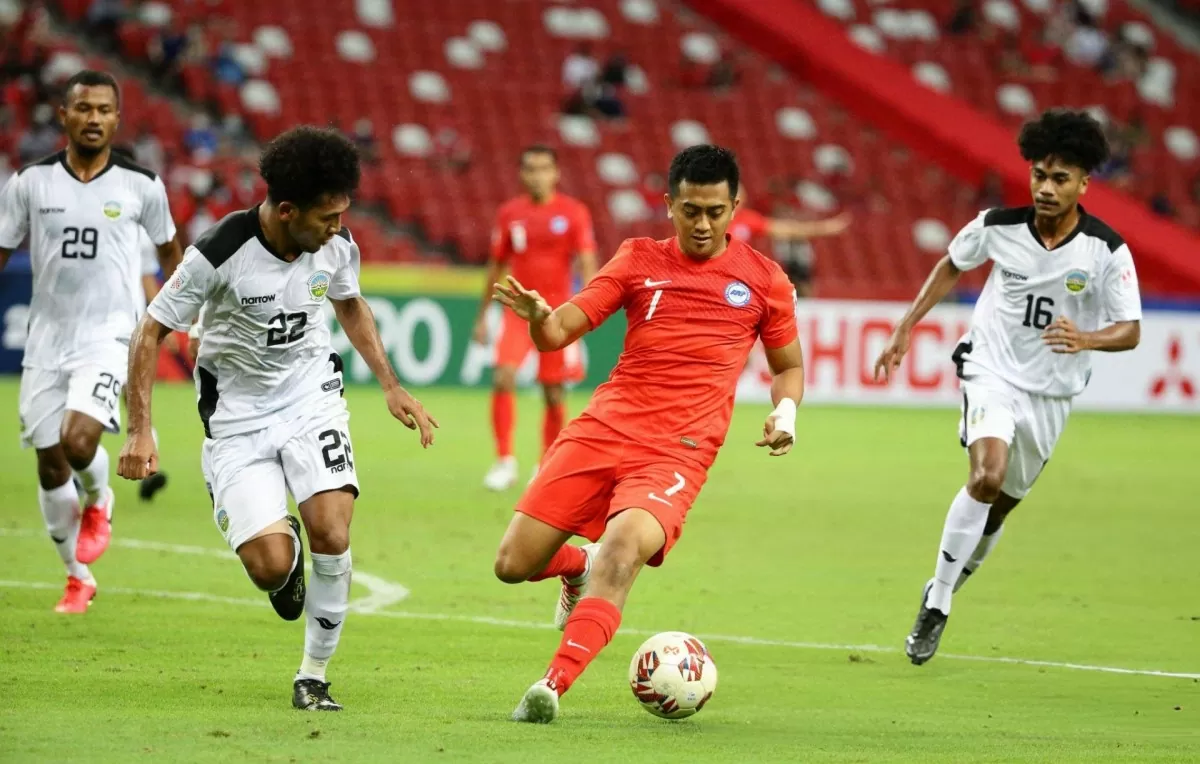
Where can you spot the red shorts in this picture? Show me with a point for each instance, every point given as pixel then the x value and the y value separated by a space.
pixel 592 474
pixel 514 346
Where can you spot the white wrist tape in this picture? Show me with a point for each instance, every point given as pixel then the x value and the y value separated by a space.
pixel 785 416
pixel 194 331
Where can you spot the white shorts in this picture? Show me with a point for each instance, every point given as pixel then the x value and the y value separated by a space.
pixel 249 476
pixel 93 390
pixel 1030 424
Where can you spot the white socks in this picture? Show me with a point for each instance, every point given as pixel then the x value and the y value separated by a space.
pixel 60 510
pixel 960 536
pixel 94 477
pixel 325 606
pixel 985 547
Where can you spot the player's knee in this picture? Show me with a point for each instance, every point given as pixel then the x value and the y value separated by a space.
pixel 511 568
pixel 268 560
pixel 985 483
pixel 79 446
pixel 53 471
pixel 329 540
pixel 553 395
pixel 504 379
pixel 618 562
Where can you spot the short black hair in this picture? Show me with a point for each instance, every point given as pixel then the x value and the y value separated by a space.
pixel 704 165
pixel 305 163
pixel 538 148
pixel 91 78
pixel 1075 138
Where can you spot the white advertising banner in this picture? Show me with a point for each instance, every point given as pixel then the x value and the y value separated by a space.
pixel 842 339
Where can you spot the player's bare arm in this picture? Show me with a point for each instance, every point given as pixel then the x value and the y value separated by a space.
pixel 941 280
pixel 1064 337
pixel 787 390
pixel 358 322
pixel 551 329
pixel 495 274
pixel 170 255
pixel 139 457
pixel 799 230
pixel 587 263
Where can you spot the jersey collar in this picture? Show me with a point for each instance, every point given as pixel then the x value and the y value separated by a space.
pixel 1079 224
pixel 256 227
pixel 62 159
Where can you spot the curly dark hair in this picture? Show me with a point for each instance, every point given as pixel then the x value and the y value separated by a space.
pixel 1073 137
pixel 306 163
pixel 703 165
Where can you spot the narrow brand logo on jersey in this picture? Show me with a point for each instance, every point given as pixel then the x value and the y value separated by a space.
pixel 52 210
pixel 737 294
pixel 685 440
pixel 331 385
pixel 223 520
pixel 260 300
pixel 318 285
pixel 1015 276
pixel 1077 281
pixel 559 225
pixel 112 210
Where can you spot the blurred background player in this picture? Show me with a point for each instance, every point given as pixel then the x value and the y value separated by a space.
pixel 632 464
pixel 788 238
pixel 270 385
pixel 84 209
pixel 1060 274
pixel 542 238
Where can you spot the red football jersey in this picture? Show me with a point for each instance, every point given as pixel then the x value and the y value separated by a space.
pixel 747 225
pixel 539 242
pixel 692 324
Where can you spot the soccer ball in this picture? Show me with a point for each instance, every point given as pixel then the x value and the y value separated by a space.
pixel 672 675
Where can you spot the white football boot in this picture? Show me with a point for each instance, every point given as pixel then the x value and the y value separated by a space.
pixel 539 706
pixel 502 475
pixel 573 589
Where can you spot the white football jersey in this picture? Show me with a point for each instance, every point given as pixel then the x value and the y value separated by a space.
pixel 1089 278
pixel 265 355
pixel 149 254
pixel 84 251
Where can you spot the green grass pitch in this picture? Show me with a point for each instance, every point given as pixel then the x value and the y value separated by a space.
pixel 791 569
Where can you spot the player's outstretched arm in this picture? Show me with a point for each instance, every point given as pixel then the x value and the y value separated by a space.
pixel 787 390
pixel 551 329
pixel 941 280
pixel 358 322
pixel 496 271
pixel 799 230
pixel 139 457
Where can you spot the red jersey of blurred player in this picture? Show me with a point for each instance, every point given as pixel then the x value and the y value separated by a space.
pixel 538 237
pixel 631 465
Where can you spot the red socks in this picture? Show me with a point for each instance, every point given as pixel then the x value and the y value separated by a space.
pixel 590 627
pixel 552 423
pixel 503 417
pixel 569 561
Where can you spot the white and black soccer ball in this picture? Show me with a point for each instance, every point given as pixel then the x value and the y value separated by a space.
pixel 672 675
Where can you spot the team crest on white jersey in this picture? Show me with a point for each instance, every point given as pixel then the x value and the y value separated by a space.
pixel 177 281
pixel 1077 281
pixel 223 520
pixel 318 285
pixel 112 210
pixel 559 225
pixel 737 294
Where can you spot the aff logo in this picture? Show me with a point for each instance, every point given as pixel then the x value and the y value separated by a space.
pixel 1174 378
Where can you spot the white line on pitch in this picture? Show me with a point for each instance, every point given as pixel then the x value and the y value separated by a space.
pixel 502 622
pixel 383 593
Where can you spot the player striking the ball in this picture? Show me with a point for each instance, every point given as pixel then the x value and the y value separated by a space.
pixel 84 209
pixel 538 237
pixel 1059 274
pixel 631 465
pixel 270 384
